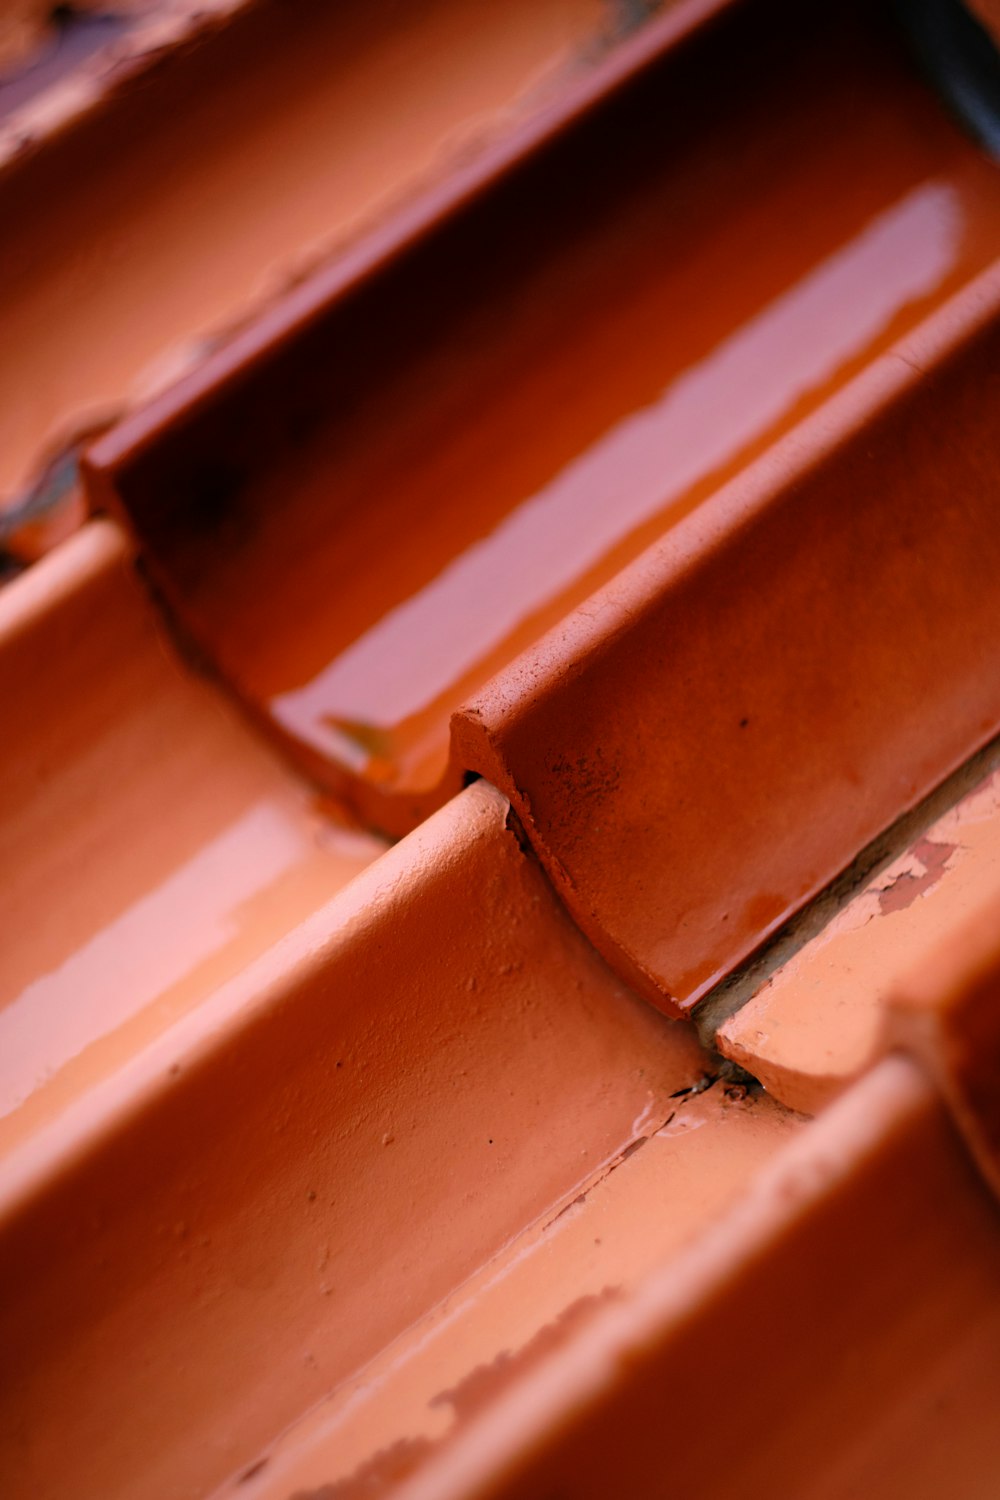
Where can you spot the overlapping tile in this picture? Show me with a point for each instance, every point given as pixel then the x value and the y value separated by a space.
pixel 404 1145
pixel 837 1335
pixel 135 241
pixel 151 847
pixel 683 1171
pixel 330 1144
pixel 727 725
pixel 326 502
pixel 809 1018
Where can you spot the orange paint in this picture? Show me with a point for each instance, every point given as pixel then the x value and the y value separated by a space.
pixel 332 1169
pixel 361 544
pixel 172 904
pixel 257 1205
pixel 947 1013
pixel 643 1210
pixel 815 1023
pixel 106 293
pixel 835 1335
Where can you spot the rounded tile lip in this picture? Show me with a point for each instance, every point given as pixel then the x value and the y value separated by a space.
pixel 387 757
pixel 822 673
pixel 285 1145
pixel 810 1018
pixel 231 91
pixel 200 849
pixel 410 1088
pixel 842 1207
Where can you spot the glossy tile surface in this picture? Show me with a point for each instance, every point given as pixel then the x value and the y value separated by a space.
pixel 333 1170
pixel 134 241
pixel 495 426
pixel 301 1168
pixel 151 847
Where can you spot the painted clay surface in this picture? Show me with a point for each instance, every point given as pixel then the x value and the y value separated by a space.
pixel 817 1022
pixel 151 847
pixel 323 520
pixel 946 1012
pixel 860 1280
pixel 328 1146
pixel 689 1159
pixel 724 728
pixel 136 240
pixel 330 1169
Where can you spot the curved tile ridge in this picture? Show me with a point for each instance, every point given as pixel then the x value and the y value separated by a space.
pixel 866 1245
pixel 700 749
pixel 807 1015
pixel 151 845
pixel 168 155
pixel 333 1141
pixel 947 1013
pixel 433 449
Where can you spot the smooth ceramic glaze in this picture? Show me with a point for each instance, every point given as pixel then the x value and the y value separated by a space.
pixel 136 240
pixel 329 1145
pixel 725 727
pixel 151 847
pixel 459 454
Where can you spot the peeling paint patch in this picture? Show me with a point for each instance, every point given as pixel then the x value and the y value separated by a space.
pixel 902 891
pixel 389 1466
pixel 377 1475
pixel 487 1381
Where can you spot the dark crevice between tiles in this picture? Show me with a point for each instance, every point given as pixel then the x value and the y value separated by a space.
pixel 49 510
pixel 717 1069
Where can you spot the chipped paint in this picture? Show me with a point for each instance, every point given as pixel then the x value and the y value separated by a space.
pixel 904 887
pixel 349 1171
pixel 815 1022
pixel 633 1216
